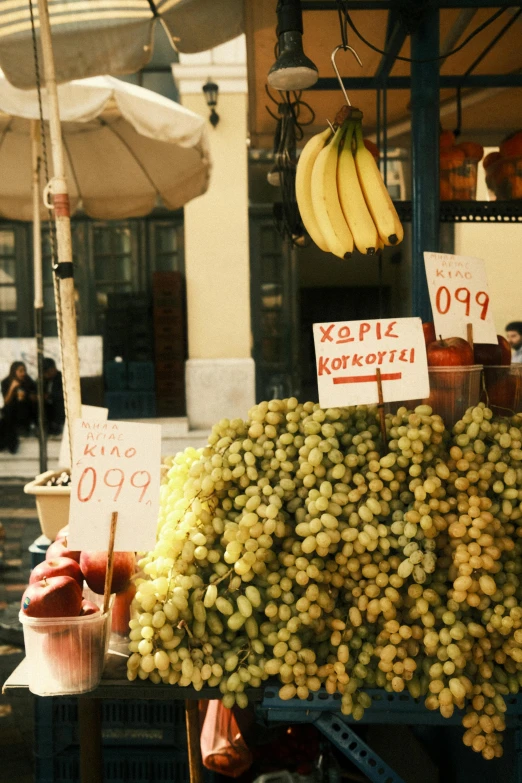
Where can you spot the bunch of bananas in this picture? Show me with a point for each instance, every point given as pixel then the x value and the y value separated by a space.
pixel 341 195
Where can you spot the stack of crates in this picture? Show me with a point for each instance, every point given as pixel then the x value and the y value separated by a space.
pixel 130 390
pixel 142 741
pixel 128 327
pixel 170 342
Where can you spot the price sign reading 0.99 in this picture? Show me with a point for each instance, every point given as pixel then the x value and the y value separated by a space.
pixel 116 467
pixel 459 296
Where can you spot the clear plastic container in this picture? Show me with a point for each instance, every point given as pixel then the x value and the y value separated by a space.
pixel 452 391
pixel 66 655
pixel 503 388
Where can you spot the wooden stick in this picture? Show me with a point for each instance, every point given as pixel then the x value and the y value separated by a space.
pixel 110 563
pixel 193 741
pixel 381 407
pixel 469 330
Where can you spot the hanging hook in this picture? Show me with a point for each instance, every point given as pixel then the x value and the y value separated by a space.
pixel 339 78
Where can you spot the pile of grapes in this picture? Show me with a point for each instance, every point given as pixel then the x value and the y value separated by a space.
pixel 297 545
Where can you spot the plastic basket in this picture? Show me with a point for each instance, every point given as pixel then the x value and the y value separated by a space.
pixel 120 765
pixel 503 388
pixel 458 181
pixel 65 654
pixel 115 375
pixel 504 178
pixel 141 376
pixel 124 722
pixel 130 404
pixel 52 503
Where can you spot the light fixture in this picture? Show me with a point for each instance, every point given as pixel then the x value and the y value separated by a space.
pixel 292 70
pixel 210 91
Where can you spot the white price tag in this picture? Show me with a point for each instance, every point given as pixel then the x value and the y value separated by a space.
pixel 348 353
pixel 459 295
pixel 116 467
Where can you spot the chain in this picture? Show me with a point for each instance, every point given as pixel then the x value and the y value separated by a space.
pixel 52 227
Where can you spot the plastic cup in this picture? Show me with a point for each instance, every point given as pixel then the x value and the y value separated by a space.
pixel 452 391
pixel 503 388
pixel 66 655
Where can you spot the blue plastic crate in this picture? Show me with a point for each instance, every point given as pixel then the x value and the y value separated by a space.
pixel 130 404
pixel 38 549
pixel 120 765
pixel 140 376
pixel 115 376
pixel 140 723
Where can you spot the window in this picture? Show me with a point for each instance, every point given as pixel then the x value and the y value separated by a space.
pixel 110 257
pixel 8 294
pixel 166 246
pixel 273 293
pixel 115 260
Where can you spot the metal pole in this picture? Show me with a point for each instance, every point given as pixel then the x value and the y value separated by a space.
pixel 38 291
pixel 68 334
pixel 425 155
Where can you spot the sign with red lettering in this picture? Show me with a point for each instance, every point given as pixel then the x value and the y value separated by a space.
pixel 349 352
pixel 116 467
pixel 459 296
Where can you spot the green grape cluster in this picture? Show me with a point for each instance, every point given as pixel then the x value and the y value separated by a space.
pixel 298 545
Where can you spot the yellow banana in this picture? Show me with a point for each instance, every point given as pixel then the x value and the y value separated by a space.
pixel 327 207
pixel 303 177
pixel 354 207
pixel 376 195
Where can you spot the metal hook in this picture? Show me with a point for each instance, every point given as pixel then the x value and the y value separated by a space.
pixel 339 79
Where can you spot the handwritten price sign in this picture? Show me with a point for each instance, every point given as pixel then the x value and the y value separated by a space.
pixel 459 296
pixel 116 467
pixel 349 352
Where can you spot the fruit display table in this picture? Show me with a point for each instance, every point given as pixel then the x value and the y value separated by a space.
pixel 322 710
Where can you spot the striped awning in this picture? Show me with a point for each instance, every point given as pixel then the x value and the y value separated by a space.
pixel 92 37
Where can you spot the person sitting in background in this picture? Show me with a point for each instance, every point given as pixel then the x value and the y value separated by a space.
pixel 514 338
pixel 19 411
pixel 53 397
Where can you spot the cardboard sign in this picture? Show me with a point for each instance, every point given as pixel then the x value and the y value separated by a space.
pixel 116 467
pixel 88 412
pixel 349 352
pixel 459 296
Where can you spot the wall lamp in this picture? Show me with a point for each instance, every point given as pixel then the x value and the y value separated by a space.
pixel 292 70
pixel 210 91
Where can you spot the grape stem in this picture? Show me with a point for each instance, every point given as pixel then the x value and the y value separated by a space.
pixel 182 625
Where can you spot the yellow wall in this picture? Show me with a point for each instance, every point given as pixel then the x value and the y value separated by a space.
pixel 500 246
pixel 217 256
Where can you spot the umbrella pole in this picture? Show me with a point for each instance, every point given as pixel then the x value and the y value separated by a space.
pixel 60 198
pixel 38 291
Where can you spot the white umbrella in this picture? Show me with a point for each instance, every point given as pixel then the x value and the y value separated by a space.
pixel 125 148
pixel 93 37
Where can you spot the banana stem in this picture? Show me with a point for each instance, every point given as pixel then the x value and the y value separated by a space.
pixel 348 139
pixel 338 135
pixel 359 135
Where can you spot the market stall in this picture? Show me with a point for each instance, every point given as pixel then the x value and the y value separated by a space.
pixel 355 559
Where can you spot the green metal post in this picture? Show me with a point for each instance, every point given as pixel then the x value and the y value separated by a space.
pixel 425 154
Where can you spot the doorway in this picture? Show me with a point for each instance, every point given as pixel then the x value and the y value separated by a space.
pixel 328 303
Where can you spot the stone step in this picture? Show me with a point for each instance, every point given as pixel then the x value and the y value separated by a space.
pixel 176 436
